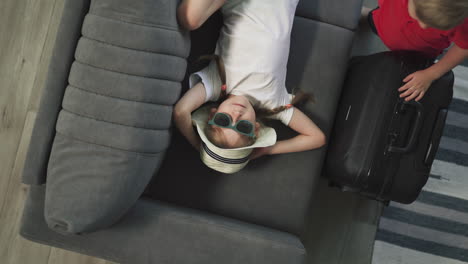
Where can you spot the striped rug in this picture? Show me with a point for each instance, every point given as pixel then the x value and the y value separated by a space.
pixel 434 229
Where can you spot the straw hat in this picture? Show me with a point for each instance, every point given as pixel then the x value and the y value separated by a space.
pixel 222 159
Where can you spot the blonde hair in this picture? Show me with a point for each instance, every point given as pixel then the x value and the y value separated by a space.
pixel 299 98
pixel 217 137
pixel 441 14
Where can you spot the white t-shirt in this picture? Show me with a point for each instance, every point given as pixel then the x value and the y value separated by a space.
pixel 254 45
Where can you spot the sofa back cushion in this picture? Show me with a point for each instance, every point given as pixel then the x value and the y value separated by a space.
pixel 113 129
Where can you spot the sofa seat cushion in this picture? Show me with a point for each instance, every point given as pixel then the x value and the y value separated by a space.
pixel 274 191
pixel 157 232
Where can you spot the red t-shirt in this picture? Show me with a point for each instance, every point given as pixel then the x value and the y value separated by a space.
pixel 399 31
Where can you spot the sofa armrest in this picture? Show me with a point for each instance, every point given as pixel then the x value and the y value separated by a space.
pixel 158 232
pixel 57 78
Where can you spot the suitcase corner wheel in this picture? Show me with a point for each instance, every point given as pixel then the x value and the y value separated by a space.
pixel 343 188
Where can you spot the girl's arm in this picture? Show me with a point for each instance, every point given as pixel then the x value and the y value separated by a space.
pixel 310 137
pixel 418 82
pixel 191 100
pixel 193 13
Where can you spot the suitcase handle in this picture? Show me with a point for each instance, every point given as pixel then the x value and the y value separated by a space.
pixel 417 127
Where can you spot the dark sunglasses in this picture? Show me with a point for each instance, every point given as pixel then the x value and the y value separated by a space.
pixel 224 120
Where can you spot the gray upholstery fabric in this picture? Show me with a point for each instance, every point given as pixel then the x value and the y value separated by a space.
pixel 156 232
pixel 108 144
pixel 335 12
pixel 44 129
pixel 274 191
pixel 83 194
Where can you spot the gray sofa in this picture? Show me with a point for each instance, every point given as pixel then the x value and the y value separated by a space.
pixel 187 213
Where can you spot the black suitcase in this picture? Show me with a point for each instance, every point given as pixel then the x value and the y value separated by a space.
pixel 382 146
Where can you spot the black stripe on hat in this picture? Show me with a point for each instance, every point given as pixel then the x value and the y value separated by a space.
pixel 223 159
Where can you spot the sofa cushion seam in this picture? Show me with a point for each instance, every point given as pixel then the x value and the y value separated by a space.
pixel 134 23
pixel 124 73
pixel 116 97
pixel 147 154
pixel 110 122
pixel 132 49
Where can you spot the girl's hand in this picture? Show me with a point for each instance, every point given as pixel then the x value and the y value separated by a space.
pixel 416 85
pixel 258 152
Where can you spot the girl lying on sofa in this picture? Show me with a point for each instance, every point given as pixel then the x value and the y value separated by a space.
pixel 247 75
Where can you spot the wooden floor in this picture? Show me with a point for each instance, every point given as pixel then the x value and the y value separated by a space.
pixel 25 50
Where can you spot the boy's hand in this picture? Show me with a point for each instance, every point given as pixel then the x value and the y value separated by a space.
pixel 416 85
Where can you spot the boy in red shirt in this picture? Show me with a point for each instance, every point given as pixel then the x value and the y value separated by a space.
pixel 428 26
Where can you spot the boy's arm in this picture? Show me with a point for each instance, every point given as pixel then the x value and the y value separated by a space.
pixel 193 13
pixel 310 137
pixel 191 100
pixel 418 82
